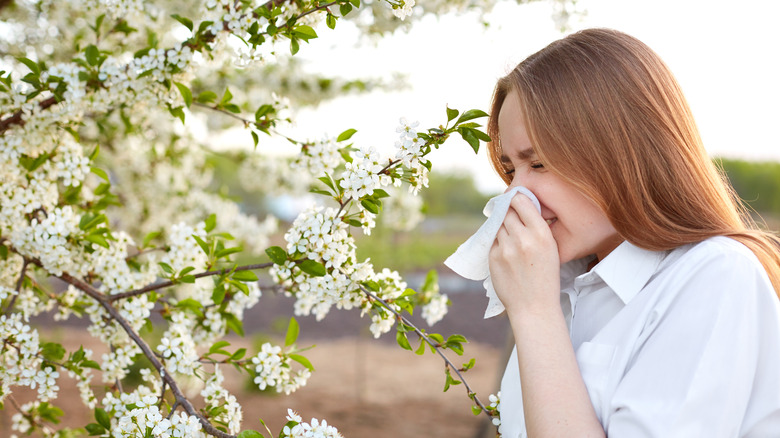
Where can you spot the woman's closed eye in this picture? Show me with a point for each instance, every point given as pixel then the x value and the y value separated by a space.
pixel 536 165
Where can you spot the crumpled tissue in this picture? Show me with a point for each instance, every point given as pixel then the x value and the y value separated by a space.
pixel 470 260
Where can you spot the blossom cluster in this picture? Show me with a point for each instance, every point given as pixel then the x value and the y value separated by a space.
pixel 495 406
pixel 402 8
pixel 147 418
pixel 20 363
pixel 297 428
pixel 215 396
pixel 274 369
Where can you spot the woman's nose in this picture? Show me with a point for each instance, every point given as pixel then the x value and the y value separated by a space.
pixel 516 182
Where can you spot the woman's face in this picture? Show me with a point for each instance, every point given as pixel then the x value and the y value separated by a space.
pixel 579 227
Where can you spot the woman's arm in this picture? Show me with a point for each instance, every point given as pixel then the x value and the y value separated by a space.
pixel 524 268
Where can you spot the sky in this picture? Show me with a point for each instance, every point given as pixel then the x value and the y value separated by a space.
pixel 725 54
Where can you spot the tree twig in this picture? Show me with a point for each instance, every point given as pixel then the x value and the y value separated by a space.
pixel 18 286
pixel 165 284
pixel 181 399
pixel 472 395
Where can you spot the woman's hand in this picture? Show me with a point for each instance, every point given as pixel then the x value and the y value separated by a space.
pixel 524 262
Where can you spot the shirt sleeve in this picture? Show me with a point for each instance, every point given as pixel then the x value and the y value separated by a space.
pixel 708 364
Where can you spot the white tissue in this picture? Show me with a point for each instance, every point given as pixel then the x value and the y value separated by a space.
pixel 470 260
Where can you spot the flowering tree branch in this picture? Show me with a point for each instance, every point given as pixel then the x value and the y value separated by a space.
pixel 170 283
pixel 435 345
pixel 181 399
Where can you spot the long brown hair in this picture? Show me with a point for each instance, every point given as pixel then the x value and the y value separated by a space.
pixel 604 113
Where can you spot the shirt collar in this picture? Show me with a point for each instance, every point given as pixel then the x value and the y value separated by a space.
pixel 627 269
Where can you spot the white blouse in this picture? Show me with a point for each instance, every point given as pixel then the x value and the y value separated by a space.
pixel 682 343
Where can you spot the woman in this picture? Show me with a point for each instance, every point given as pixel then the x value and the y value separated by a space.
pixel 643 299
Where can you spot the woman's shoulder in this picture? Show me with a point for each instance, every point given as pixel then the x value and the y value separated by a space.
pixel 715 252
pixel 718 264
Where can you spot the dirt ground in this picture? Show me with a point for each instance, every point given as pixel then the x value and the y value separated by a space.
pixel 364 387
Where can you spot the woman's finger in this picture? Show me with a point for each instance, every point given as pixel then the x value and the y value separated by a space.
pixel 526 211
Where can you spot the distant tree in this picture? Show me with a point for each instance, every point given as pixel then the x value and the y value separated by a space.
pixel 756 182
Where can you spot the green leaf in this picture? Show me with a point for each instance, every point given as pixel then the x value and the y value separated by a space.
pixel 192 305
pixel 379 193
pixel 371 285
pixel 178 112
pixel 452 113
pixel 203 245
pixel 227 251
pixel 402 340
pixel 227 97
pixel 88 221
pixel 421 349
pixel 50 412
pixel 166 267
pixel 100 172
pixel 470 138
pixel 98 23
pixel 211 222
pixel 277 255
pixel 370 205
pixel 218 295
pixel 355 3
pixel 250 434
pixel 32 65
pixel 185 93
pixel 94 153
pixel 98 239
pixel 94 429
pixel 293 329
pixel 313 268
pixel 345 9
pixel 90 364
pixel 149 237
pixel 304 32
pixel 186 270
pixel 52 351
pixel 218 346
pixel 294 46
pixel 239 354
pixel 263 111
pixel 122 27
pixel 245 276
pixel 233 323
pixel 476 410
pixel 301 360
pixel 346 135
pixel 183 20
pixel 470 115
pixel 92 55
pixel 330 20
pixel 456 338
pixel 207 97
pixel 102 418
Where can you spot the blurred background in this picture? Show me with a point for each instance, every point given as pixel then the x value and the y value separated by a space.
pixel 725 56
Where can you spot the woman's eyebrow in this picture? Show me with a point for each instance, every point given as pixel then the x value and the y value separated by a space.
pixel 526 154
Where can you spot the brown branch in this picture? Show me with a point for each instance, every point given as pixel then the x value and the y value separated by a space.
pixel 472 395
pixel 147 351
pixel 16 118
pixel 18 286
pixel 170 283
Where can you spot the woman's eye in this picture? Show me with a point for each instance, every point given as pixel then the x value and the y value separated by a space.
pixel 537 165
pixel 509 172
